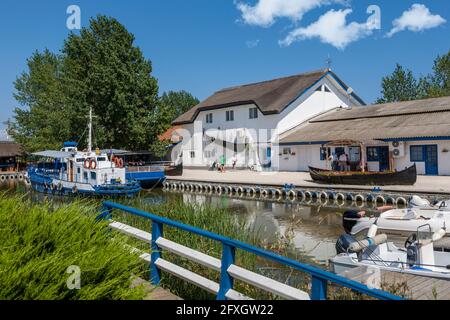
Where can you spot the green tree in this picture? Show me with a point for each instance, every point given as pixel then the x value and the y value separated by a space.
pixel 40 91
pixel 439 82
pixel 104 70
pixel 99 68
pixel 175 103
pixel 399 86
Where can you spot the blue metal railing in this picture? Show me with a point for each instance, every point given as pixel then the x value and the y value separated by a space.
pixel 320 277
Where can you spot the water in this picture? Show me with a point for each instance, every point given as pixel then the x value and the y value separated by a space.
pixel 312 228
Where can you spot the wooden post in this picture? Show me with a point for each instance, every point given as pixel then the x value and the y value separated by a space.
pixel 363 158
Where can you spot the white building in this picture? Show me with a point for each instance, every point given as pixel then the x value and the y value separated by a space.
pixel 395 136
pixel 244 122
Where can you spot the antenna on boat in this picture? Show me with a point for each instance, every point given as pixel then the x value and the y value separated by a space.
pixel 90 130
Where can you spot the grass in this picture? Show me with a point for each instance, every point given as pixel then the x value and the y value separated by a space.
pixel 39 242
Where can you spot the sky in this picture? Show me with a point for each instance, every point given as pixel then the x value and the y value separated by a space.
pixel 202 46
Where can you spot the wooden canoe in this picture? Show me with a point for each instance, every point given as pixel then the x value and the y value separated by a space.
pixel 404 177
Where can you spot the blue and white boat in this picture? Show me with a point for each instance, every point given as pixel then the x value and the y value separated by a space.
pixel 74 172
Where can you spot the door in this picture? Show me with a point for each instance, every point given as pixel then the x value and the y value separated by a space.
pixel 431 160
pixel 384 158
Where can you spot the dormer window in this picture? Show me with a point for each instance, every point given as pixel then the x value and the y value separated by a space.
pixel 253 113
pixel 230 115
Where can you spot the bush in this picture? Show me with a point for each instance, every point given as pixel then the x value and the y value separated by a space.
pixel 39 243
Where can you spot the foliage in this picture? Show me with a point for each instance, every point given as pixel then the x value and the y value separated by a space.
pixel 175 103
pixel 100 68
pixel 39 242
pixel 401 85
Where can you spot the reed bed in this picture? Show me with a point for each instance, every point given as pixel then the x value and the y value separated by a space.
pixel 39 242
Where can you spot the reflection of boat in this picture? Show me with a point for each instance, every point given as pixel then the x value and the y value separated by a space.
pixel 418 257
pixel 405 221
pixel 404 177
pixel 75 172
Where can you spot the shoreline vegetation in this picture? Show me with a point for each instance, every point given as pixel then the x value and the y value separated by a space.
pixel 39 241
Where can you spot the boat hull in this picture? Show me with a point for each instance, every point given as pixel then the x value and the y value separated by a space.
pixel 49 185
pixel 404 177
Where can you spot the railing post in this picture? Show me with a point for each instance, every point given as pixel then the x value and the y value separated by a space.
pixel 155 273
pixel 226 281
pixel 106 213
pixel 319 289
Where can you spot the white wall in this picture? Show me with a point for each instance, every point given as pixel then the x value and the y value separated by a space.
pixel 265 129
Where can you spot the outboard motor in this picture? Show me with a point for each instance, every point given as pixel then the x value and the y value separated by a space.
pixel 344 242
pixel 349 220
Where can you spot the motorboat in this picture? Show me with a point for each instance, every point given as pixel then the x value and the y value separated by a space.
pixel 402 222
pixel 418 257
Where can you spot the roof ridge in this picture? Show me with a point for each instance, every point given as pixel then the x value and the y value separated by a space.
pixel 280 78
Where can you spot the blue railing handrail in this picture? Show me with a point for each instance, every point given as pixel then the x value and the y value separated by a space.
pixel 318 274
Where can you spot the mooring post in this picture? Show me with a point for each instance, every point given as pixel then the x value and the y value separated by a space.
pixel 226 281
pixel 155 273
pixel 319 288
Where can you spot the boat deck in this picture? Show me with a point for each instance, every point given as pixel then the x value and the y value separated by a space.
pixel 417 287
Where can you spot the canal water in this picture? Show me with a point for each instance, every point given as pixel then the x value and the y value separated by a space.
pixel 312 228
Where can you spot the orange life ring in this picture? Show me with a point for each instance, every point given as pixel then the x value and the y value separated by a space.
pixel 93 164
pixel 120 163
pixel 86 164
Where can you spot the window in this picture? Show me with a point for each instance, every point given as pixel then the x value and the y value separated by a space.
pixel 286 151
pixel 80 160
pixel 78 170
pixel 326 89
pixel 416 153
pixel 209 118
pixel 372 154
pixel 85 175
pixel 253 113
pixel 93 175
pixel 99 159
pixel 319 88
pixel 192 154
pixel 324 153
pixel 230 115
pixel 339 151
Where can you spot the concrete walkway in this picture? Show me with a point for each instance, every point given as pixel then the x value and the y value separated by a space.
pixel 424 184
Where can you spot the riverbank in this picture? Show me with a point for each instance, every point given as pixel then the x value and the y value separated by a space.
pixel 437 185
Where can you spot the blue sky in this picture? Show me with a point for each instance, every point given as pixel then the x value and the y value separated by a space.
pixel 203 45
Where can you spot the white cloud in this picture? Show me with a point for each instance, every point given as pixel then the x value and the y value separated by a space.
pixel 331 28
pixel 265 12
pixel 252 43
pixel 416 19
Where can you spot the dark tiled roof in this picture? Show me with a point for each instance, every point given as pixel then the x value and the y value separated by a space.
pixel 270 97
pixel 10 149
pixel 428 118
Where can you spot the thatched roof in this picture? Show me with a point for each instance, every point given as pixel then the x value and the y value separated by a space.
pixel 402 120
pixel 270 97
pixel 10 149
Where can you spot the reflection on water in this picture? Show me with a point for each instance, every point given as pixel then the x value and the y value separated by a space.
pixel 314 228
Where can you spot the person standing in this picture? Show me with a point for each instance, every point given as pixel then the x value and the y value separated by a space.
pixel 234 161
pixel 222 163
pixel 333 159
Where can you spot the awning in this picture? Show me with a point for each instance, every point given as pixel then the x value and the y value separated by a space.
pixel 53 154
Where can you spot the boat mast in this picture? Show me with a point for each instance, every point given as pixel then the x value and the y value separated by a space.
pixel 90 131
